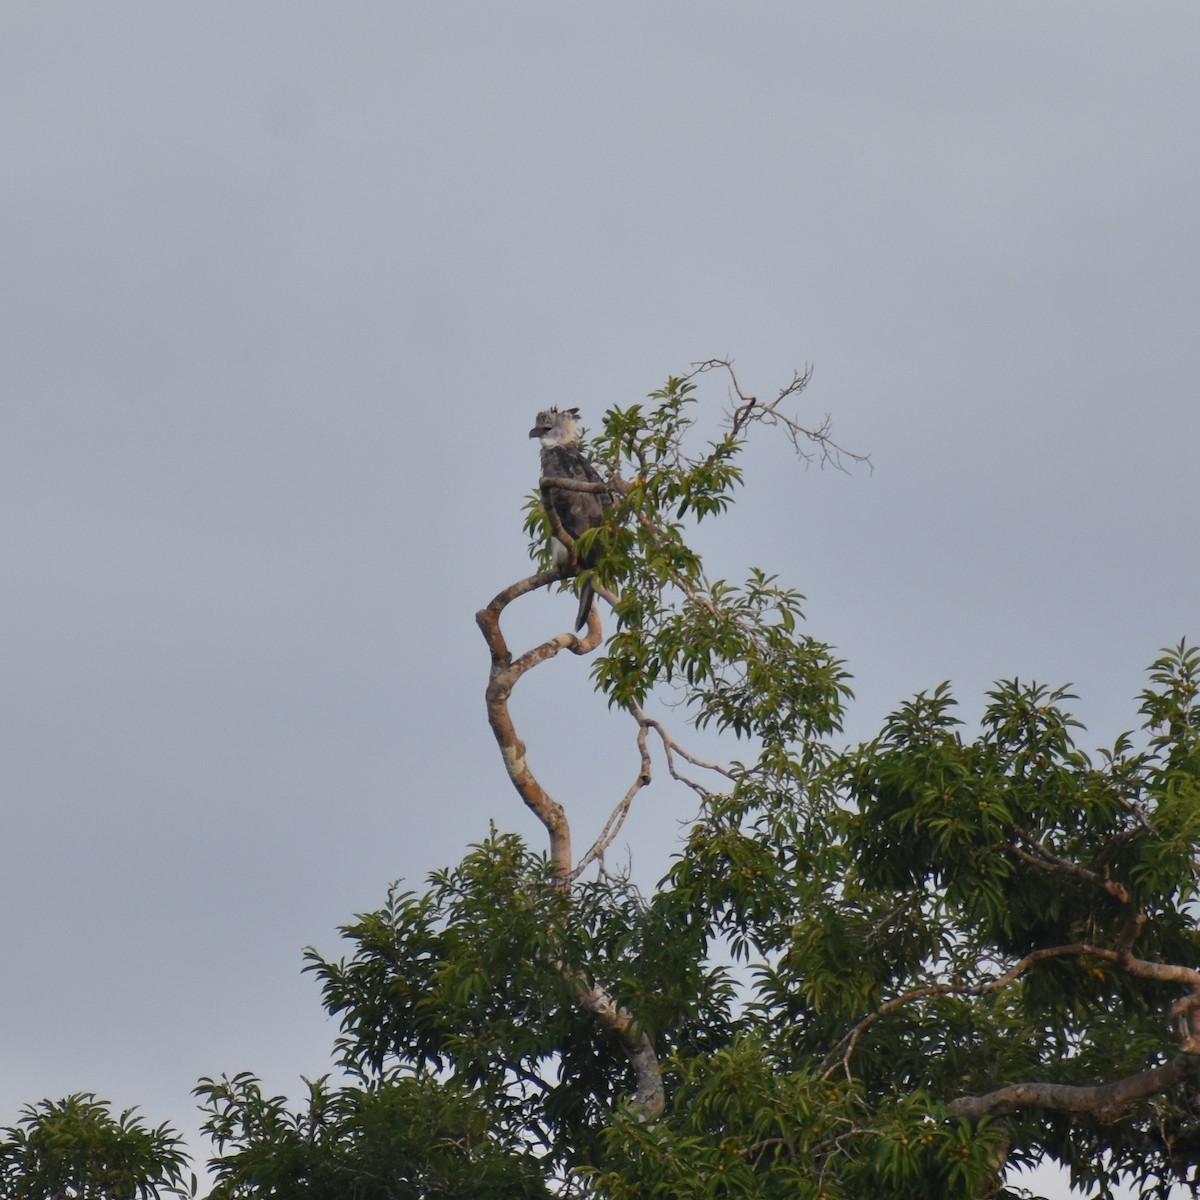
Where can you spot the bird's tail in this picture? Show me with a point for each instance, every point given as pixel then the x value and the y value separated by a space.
pixel 586 596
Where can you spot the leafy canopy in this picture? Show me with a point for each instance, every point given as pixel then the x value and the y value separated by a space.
pixel 894 969
pixel 75 1149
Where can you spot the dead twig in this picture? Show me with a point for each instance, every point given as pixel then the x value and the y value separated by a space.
pixel 747 409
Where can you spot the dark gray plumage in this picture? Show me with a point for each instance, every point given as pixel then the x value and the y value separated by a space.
pixel 577 512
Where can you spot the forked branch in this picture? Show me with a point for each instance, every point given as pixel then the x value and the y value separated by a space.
pixel 671 749
pixel 810 443
pixel 502 678
pixel 1105 1102
pixel 505 673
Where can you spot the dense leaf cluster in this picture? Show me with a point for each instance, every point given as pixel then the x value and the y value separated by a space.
pixel 76 1149
pixel 402 1137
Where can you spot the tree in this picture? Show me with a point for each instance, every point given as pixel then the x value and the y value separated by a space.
pixel 949 954
pixel 75 1149
pixel 952 954
pixel 894 970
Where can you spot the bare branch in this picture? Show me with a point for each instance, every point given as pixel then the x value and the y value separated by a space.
pixel 488 619
pixel 672 748
pixel 502 678
pixel 644 777
pixel 619 486
pixel 617 817
pixel 748 409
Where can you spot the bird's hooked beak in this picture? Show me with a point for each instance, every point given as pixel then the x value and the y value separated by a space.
pixel 538 430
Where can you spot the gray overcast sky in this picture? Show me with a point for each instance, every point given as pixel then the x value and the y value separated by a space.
pixel 283 286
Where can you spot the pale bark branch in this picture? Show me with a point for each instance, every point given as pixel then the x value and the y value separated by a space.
pixel 505 672
pixel 1098 1102
pixel 502 678
pixel 649 1097
pixel 644 776
pixel 671 748
pixel 617 817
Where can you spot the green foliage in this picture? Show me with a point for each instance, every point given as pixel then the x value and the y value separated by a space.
pixel 735 647
pixel 477 981
pixel 75 1149
pixel 405 1137
pixel 742 1127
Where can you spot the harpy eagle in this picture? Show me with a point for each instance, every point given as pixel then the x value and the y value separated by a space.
pixel 577 512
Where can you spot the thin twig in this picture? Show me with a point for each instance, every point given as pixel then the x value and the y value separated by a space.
pixel 749 408
pixel 617 817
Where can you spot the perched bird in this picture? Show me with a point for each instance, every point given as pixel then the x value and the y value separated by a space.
pixel 577 512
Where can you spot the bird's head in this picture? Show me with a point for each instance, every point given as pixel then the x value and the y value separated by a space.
pixel 556 428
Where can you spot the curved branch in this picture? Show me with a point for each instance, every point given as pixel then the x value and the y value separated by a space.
pixel 649 1096
pixel 502 678
pixel 1100 1102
